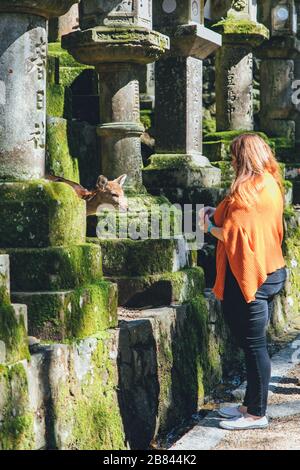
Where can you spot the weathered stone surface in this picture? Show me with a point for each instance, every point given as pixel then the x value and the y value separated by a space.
pixel 121 129
pixel 159 289
pixel 141 257
pixel 64 315
pixel 107 44
pixel 115 13
pixel 180 171
pixel 276 78
pixel 16 416
pixel 13 335
pixel 22 81
pixel 41 214
pixel 45 8
pixel 234 88
pixel 4 277
pixel 54 268
pixel 64 24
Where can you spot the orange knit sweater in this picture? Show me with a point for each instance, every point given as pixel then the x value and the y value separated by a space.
pixel 252 240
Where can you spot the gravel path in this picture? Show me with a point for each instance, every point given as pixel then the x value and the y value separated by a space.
pixel 283 433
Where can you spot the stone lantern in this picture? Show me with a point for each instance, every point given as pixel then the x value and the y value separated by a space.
pixel 179 162
pixel 241 33
pixel 23 55
pixel 117 38
pixel 279 62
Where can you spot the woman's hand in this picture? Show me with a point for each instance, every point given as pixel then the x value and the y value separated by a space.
pixel 208 210
pixel 204 214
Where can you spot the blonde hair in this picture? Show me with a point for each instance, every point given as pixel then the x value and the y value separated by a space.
pixel 253 157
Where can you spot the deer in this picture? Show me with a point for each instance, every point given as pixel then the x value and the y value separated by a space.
pixel 106 193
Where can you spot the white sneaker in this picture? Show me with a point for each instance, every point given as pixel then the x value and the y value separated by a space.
pixel 245 423
pixel 230 412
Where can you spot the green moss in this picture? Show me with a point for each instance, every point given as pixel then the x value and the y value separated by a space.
pixel 12 332
pixel 91 415
pixel 243 27
pixel 54 268
pixel 59 160
pixel 41 214
pixel 228 136
pixel 136 257
pixel 166 162
pixel 73 314
pixel 59 101
pixel 209 126
pixel 93 308
pixel 65 59
pixel 146 118
pixel 16 430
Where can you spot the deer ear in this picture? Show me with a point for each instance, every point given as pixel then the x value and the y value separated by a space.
pixel 121 179
pixel 101 182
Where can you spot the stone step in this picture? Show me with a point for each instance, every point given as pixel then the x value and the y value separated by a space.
pixel 159 289
pixel 4 277
pixel 54 268
pixel 70 314
pixel 141 257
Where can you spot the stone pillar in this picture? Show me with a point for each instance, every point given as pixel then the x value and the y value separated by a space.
pixel 64 24
pixel 117 38
pixel 234 66
pixel 278 69
pixel 178 84
pixel 23 54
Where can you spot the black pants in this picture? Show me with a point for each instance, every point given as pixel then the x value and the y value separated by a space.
pixel 248 322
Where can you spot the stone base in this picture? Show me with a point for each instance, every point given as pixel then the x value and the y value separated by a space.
pixel 54 268
pixel 205 196
pixel 65 315
pixel 141 257
pixel 142 208
pixel 40 214
pixel 216 145
pixel 159 289
pixel 180 171
pixel 104 44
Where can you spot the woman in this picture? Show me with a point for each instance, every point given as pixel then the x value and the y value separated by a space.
pixel 251 269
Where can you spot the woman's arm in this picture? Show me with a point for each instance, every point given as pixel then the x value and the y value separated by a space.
pixel 215 231
pixel 218 233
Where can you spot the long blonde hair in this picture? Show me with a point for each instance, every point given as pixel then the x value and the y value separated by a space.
pixel 253 156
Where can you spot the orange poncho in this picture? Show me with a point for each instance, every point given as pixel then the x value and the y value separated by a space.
pixel 252 240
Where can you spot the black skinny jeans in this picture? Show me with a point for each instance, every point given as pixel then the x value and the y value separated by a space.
pixel 248 323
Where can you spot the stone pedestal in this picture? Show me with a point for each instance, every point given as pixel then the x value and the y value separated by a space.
pixel 234 67
pixel 118 42
pixel 178 82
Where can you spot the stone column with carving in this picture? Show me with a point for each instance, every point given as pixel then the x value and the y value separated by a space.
pixel 117 38
pixel 278 61
pixel 179 162
pixel 23 53
pixel 241 33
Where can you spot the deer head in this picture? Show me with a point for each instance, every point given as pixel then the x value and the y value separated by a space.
pixel 107 194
